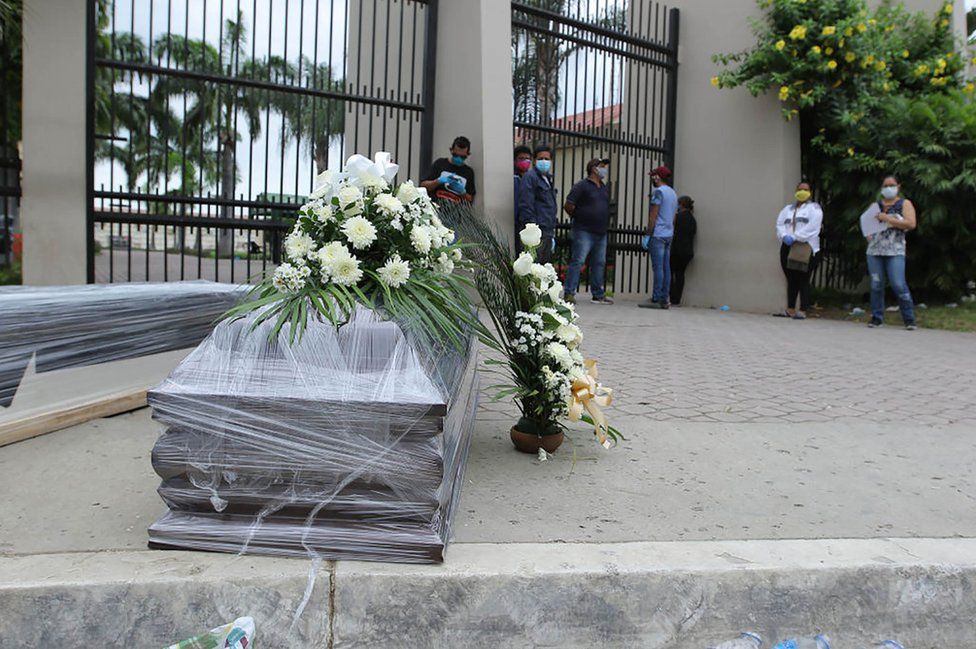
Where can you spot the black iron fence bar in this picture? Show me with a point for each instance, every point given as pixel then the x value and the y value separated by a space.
pixel 592 137
pixel 430 75
pixel 195 200
pixel 664 61
pixel 149 69
pixel 636 41
pixel 671 124
pixel 128 218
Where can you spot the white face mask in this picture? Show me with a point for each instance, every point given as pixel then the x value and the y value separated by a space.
pixel 602 172
pixel 890 192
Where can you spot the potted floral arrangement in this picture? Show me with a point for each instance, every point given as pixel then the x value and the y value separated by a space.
pixel 360 239
pixel 538 338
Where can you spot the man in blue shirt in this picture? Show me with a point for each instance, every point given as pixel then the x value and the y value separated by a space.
pixel 660 229
pixel 537 201
pixel 589 206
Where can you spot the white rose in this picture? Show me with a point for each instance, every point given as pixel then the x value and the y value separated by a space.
pixel 531 235
pixel 523 265
pixel 570 334
pixel 360 232
pixel 556 292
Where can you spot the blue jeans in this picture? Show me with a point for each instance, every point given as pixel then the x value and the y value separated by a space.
pixel 592 246
pixel 661 265
pixel 894 268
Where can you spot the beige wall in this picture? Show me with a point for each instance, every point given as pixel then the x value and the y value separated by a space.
pixel 54 173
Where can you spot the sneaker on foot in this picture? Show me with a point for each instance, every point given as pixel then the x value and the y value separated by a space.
pixel 875 323
pixel 665 305
pixel 911 326
pixel 601 300
pixel 569 299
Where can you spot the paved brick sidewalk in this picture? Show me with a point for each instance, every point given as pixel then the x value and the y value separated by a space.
pixel 708 366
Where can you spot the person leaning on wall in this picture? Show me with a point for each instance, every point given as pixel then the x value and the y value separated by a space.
pixel 682 246
pixel 451 180
pixel 798 229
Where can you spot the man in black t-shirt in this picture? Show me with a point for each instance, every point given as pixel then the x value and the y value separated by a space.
pixel 450 179
pixel 589 206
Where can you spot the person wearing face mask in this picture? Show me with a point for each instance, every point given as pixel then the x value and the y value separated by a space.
pixel 588 204
pixel 798 229
pixel 657 241
pixel 537 201
pixel 523 162
pixel 893 216
pixel 451 180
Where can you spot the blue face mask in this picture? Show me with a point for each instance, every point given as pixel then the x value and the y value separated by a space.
pixel 457 160
pixel 544 166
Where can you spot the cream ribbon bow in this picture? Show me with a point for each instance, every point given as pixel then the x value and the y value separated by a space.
pixel 588 395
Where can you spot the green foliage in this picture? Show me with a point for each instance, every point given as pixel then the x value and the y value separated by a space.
pixel 11 274
pixel 877 91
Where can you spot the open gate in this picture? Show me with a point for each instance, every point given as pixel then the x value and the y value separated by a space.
pixel 598 79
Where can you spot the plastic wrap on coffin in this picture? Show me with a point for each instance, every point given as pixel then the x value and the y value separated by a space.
pixel 349 444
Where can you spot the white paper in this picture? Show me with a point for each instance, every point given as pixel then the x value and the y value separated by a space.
pixel 870 225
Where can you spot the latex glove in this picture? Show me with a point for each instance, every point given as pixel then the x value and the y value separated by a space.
pixel 646 242
pixel 789 240
pixel 456 186
pixel 445 178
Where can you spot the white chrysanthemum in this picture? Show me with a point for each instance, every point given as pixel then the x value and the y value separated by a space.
pixel 445 264
pixel 290 279
pixel 349 195
pixel 373 183
pixel 420 238
pixel 328 254
pixel 523 265
pixel 561 354
pixel 298 245
pixel 531 235
pixel 395 272
pixel 457 255
pixel 360 232
pixel 323 212
pixel 388 204
pixel 408 193
pixel 570 335
pixel 346 271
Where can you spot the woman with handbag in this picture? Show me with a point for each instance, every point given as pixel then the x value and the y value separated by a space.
pixel 894 216
pixel 798 228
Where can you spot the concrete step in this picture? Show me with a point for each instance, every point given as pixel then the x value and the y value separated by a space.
pixel 666 595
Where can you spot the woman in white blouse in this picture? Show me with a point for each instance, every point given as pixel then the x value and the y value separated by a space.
pixel 799 223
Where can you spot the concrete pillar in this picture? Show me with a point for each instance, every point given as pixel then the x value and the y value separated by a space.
pixel 54 169
pixel 738 158
pixel 474 97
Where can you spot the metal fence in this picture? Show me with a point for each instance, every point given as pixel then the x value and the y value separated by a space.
pixel 598 79
pixel 10 74
pixel 209 120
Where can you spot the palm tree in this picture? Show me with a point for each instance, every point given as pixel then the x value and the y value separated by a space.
pixel 312 122
pixel 213 113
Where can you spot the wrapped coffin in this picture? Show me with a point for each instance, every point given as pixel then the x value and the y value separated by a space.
pixel 349 443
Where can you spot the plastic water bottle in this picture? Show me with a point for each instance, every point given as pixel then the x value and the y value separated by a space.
pixel 746 640
pixel 887 644
pixel 816 642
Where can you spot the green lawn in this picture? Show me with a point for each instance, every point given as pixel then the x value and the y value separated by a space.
pixel 936 316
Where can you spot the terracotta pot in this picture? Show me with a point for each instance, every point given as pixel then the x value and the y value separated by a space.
pixel 531 442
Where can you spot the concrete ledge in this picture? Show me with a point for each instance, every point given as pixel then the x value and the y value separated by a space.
pixel 648 595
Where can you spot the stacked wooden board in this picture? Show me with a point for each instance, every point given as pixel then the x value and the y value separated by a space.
pixel 349 443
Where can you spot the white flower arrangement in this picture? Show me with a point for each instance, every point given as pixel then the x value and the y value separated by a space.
pixel 361 239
